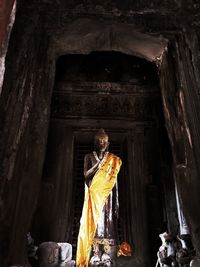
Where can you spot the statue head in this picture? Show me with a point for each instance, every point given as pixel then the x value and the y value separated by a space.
pixel 101 140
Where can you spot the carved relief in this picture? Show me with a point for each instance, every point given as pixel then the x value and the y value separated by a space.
pixel 105 87
pixel 101 105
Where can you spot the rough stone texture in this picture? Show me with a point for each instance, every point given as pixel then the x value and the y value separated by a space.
pixel 5 11
pixel 22 148
pixel 85 35
pixel 7 17
pixel 48 254
pixel 37 40
pixel 195 263
pixel 183 129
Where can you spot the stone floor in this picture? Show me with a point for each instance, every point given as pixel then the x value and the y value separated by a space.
pixel 126 262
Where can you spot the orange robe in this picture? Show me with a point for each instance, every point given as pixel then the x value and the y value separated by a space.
pixel 94 201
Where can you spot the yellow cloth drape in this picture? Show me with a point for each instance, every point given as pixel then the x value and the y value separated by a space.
pixel 95 198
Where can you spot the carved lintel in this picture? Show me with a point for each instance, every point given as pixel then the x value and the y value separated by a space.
pixel 105 88
pixel 101 105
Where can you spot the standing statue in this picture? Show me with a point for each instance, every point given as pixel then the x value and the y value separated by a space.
pixel 97 227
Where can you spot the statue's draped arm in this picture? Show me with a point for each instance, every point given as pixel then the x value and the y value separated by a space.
pixel 89 168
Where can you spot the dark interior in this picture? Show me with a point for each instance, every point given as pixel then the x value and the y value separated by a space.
pixel 142 202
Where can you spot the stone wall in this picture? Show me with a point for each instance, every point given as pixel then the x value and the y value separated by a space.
pixel 27 92
pixel 5 11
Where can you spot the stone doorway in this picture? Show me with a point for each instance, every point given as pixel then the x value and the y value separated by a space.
pixel 121 94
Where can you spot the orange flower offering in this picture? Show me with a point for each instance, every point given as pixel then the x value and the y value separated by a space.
pixel 124 250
